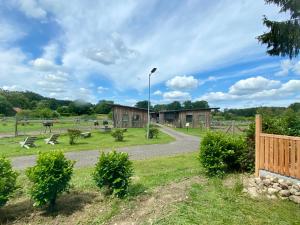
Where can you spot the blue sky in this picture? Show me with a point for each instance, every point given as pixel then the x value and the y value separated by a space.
pixel 92 50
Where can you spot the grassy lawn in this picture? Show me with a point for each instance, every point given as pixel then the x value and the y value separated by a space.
pixel 208 203
pixel 134 136
pixel 192 131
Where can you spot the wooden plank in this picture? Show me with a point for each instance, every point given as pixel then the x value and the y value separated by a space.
pixel 271 154
pixel 298 160
pixel 262 153
pixel 293 159
pixel 281 156
pixel 276 155
pixel 280 136
pixel 258 129
pixel 286 157
pixel 267 151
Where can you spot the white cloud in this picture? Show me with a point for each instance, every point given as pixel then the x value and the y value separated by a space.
pixel 158 92
pixel 283 94
pixel 101 89
pixel 252 85
pixel 182 83
pixel 176 95
pixel 31 8
pixel 43 64
pixel 12 88
pixel 288 66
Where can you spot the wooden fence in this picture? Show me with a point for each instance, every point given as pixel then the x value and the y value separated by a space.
pixel 276 153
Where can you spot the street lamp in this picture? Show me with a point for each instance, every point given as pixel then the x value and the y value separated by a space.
pixel 148 124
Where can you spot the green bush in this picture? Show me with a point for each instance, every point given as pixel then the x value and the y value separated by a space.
pixel 50 177
pixel 118 134
pixel 113 171
pixel 74 134
pixel 7 180
pixel 221 153
pixel 153 132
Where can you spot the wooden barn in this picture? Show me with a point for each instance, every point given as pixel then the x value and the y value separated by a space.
pixel 127 116
pixel 197 118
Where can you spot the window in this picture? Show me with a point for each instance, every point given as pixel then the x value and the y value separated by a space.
pixel 136 118
pixel 189 118
pixel 125 120
pixel 136 121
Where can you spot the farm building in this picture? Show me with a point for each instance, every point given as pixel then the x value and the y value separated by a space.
pixel 127 116
pixel 196 118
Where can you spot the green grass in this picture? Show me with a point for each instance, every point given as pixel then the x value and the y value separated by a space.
pixel 213 204
pixel 192 131
pixel 134 136
pixel 207 203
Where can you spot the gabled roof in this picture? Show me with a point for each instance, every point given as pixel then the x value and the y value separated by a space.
pixel 186 110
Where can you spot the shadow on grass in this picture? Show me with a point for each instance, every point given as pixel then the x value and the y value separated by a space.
pixel 136 189
pixel 66 205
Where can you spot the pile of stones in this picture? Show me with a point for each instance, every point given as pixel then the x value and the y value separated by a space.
pixel 273 188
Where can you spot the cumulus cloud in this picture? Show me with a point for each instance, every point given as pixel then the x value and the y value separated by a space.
pixel 101 89
pixel 31 8
pixel 182 83
pixel 176 95
pixel 43 64
pixel 252 85
pixel 158 92
pixel 265 95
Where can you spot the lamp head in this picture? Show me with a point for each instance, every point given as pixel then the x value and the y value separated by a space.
pixel 153 70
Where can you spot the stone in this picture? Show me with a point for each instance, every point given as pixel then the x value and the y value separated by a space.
pixel 274 179
pixel 252 192
pixel 295 199
pixel 297 193
pixel 284 186
pixel 293 191
pixel 296 186
pixel 257 180
pixel 289 183
pixel 280 181
pixel 267 182
pixel 284 193
pixel 283 198
pixel 276 186
pixel 272 191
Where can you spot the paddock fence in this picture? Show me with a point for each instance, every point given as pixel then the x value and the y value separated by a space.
pixel 276 153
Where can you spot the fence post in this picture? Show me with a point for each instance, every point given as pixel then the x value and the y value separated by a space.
pixel 258 130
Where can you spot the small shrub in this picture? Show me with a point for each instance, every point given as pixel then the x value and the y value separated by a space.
pixel 113 171
pixel 153 132
pixel 221 153
pixel 74 134
pixel 118 134
pixel 7 180
pixel 105 122
pixel 50 177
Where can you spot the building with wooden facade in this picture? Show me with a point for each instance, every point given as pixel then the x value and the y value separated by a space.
pixel 196 118
pixel 127 116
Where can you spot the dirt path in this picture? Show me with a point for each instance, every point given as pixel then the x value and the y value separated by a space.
pixel 150 208
pixel 183 144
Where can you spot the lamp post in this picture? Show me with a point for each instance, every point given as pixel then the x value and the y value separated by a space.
pixel 148 124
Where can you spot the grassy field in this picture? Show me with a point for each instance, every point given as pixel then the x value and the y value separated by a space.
pixel 211 202
pixel 192 131
pixel 8 125
pixel 134 136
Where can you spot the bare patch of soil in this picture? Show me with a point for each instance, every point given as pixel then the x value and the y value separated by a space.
pixel 149 207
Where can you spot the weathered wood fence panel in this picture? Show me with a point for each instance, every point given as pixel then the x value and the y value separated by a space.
pixel 276 153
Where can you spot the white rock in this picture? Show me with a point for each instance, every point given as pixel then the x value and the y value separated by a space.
pixel 296 186
pixel 295 199
pixel 280 181
pixel 273 197
pixel 293 191
pixel 297 193
pixel 267 182
pixel 252 192
pixel 257 180
pixel 272 191
pixel 289 183
pixel 284 193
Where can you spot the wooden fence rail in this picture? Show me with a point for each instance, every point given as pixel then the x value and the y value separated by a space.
pixel 276 153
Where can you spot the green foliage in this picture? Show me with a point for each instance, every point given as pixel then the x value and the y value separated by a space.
pixel 74 134
pixel 153 132
pixel 103 107
pixel 283 39
pixel 50 177
pixel 5 107
pixel 7 180
pixel 142 104
pixel 221 153
pixel 113 171
pixel 118 134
